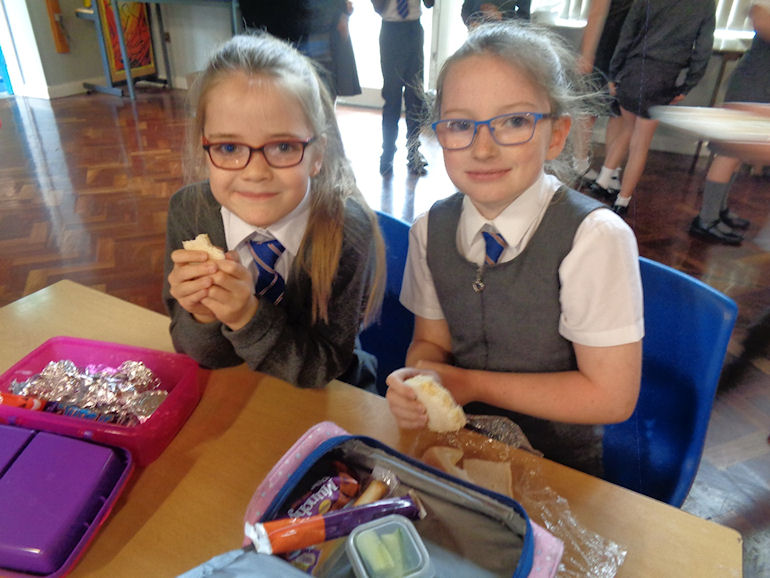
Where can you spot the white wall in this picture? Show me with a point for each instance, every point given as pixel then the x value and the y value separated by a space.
pixel 194 33
pixel 66 72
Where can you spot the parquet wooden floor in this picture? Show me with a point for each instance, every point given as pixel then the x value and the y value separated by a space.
pixel 85 181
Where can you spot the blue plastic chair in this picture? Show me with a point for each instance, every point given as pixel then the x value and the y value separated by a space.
pixel 688 325
pixel 389 338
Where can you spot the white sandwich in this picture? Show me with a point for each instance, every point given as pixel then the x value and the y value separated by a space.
pixel 203 243
pixel 444 415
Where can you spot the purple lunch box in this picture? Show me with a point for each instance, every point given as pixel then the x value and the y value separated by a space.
pixel 55 492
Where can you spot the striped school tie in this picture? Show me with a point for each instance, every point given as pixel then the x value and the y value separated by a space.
pixel 495 245
pixel 270 284
pixel 402 7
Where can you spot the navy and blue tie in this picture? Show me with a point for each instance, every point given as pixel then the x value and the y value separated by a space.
pixel 270 284
pixel 495 246
pixel 402 7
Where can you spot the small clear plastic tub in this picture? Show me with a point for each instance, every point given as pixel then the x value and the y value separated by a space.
pixel 388 547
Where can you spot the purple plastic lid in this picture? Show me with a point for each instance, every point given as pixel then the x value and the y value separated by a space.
pixel 49 496
pixel 12 440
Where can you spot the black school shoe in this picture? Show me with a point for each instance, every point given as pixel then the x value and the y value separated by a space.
pixel 733 221
pixel 609 194
pixel 416 163
pixel 386 166
pixel 621 210
pixel 712 232
pixel 587 178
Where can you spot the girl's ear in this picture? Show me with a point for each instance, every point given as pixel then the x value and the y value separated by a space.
pixel 559 133
pixel 318 156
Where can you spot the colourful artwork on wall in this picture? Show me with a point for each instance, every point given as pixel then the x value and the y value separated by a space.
pixel 135 20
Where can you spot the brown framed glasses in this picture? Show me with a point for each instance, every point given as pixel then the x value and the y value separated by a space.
pixel 279 154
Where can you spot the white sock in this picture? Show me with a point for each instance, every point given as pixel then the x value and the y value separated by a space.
pixel 622 201
pixel 605 177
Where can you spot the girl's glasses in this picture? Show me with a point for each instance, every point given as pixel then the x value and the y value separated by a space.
pixel 506 129
pixel 232 156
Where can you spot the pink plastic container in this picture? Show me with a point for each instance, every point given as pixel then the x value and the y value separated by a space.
pixel 145 441
pixel 57 490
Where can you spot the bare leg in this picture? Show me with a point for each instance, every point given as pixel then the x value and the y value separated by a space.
pixel 617 149
pixel 722 169
pixel 639 147
pixel 607 182
pixel 614 127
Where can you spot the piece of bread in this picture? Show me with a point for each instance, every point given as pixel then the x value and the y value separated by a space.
pixel 444 415
pixel 493 475
pixel 203 243
pixel 445 459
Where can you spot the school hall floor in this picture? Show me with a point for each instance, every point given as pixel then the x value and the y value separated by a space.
pixel 85 182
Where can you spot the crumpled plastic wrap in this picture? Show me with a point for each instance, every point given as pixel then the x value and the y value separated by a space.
pixel 586 553
pixel 502 429
pixel 126 395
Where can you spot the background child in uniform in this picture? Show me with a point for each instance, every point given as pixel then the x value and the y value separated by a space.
pixel 661 41
pixel 749 83
pixel 265 135
pixel 547 329
pixel 597 45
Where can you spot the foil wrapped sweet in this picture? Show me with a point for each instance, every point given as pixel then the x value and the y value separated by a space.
pixel 125 395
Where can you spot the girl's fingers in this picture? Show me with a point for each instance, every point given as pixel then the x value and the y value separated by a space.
pixel 233 268
pixel 197 297
pixel 190 291
pixel 397 378
pixel 182 256
pixel 182 273
pixel 409 413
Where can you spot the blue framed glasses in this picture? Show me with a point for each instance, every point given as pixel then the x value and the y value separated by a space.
pixel 506 129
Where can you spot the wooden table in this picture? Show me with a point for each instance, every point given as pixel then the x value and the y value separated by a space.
pixel 188 506
pixel 748 152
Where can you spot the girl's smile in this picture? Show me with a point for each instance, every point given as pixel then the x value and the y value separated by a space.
pixel 488 175
pixel 255 196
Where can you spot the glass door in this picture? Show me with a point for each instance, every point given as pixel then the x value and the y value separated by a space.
pixel 444 32
pixel 5 84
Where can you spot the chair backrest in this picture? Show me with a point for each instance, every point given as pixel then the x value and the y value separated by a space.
pixel 389 338
pixel 687 328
